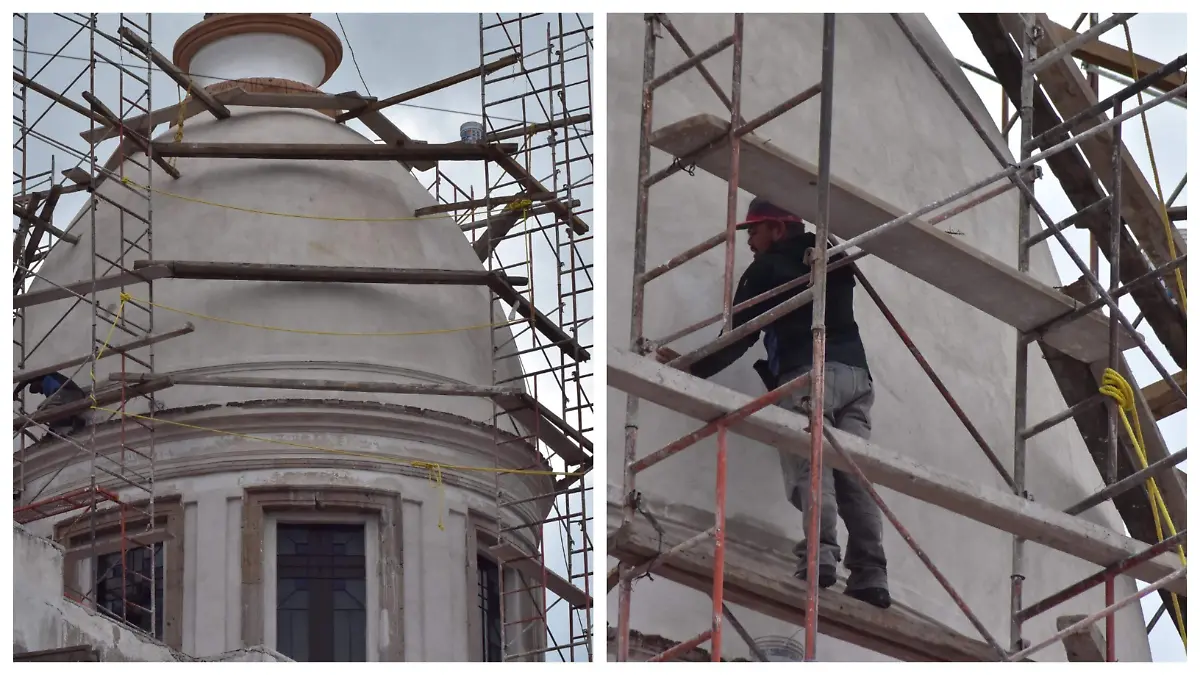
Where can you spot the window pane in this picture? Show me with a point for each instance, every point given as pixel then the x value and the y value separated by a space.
pixel 123 588
pixel 321 569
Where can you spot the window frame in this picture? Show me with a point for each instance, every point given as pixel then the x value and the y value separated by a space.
pixel 79 565
pixel 264 506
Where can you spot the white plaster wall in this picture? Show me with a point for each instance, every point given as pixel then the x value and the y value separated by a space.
pixel 191 230
pixel 259 55
pixel 43 619
pixel 439 597
pixel 898 135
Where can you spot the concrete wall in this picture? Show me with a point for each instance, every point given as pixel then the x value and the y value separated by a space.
pixel 898 135
pixel 44 619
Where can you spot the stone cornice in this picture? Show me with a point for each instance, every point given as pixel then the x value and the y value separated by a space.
pixel 217 26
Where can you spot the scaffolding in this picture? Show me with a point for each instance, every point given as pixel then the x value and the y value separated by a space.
pixel 548 407
pixel 1086 345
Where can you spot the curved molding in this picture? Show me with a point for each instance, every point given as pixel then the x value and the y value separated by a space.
pixel 360 422
pixel 217 26
pixel 246 367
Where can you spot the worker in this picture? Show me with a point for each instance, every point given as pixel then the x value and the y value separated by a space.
pixel 58 390
pixel 781 248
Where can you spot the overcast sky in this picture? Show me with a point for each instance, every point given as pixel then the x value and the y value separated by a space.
pixel 1161 37
pixel 383 55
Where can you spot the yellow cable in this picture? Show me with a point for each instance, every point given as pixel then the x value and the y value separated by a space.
pixel 1157 183
pixel 1117 388
pixel 437 331
pixel 302 216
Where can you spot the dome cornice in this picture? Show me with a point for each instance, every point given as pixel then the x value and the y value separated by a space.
pixel 218 26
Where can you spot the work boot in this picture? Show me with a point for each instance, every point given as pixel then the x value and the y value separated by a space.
pixel 878 597
pixel 826 574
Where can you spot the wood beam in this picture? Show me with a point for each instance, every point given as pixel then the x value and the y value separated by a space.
pixel 1176 213
pixel 131 135
pixel 464 76
pixel 1162 399
pixel 1084 647
pixel 757 579
pixel 922 250
pixel 1110 57
pixel 786 430
pixel 531 184
pixel 111 350
pixel 390 134
pixel 39 222
pixel 187 269
pixel 192 106
pixel 361 152
pixel 513 557
pixel 103 397
pixel 84 287
pixel 1080 185
pixel 172 71
pixel 481 203
pixel 557 336
pixel 566 441
pixel 522 132
pixel 1067 88
pixel 59 98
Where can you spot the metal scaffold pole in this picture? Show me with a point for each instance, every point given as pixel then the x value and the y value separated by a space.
pixel 540 94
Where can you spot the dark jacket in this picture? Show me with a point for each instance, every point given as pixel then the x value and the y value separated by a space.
pixel 789 339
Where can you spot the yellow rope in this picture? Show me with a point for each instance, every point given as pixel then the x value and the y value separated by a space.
pixel 1117 388
pixel 1157 183
pixel 437 331
pixel 179 124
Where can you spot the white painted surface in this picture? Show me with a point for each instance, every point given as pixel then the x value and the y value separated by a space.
pixel 210 471
pixel 259 55
pixel 898 135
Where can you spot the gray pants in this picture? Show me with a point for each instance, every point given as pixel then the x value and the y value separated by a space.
pixel 848 398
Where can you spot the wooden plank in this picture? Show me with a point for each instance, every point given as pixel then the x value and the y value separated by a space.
pixel 464 76
pixel 541 322
pixel 917 247
pixel 232 271
pixel 1080 185
pixel 103 397
pixel 1068 91
pixel 511 556
pixel 362 152
pixel 751 581
pixel 299 99
pixel 564 441
pixel 85 287
pixel 40 223
pixel 1116 59
pixel 1163 400
pixel 172 71
pixel 131 135
pixel 703 400
pixel 471 204
pixel 236 96
pixel 531 184
pixel 522 132
pixel 390 134
pixel 111 350
pixel 1086 646
pixel 59 98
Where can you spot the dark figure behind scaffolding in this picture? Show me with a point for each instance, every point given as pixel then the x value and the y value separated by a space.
pixel 780 245
pixel 59 390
